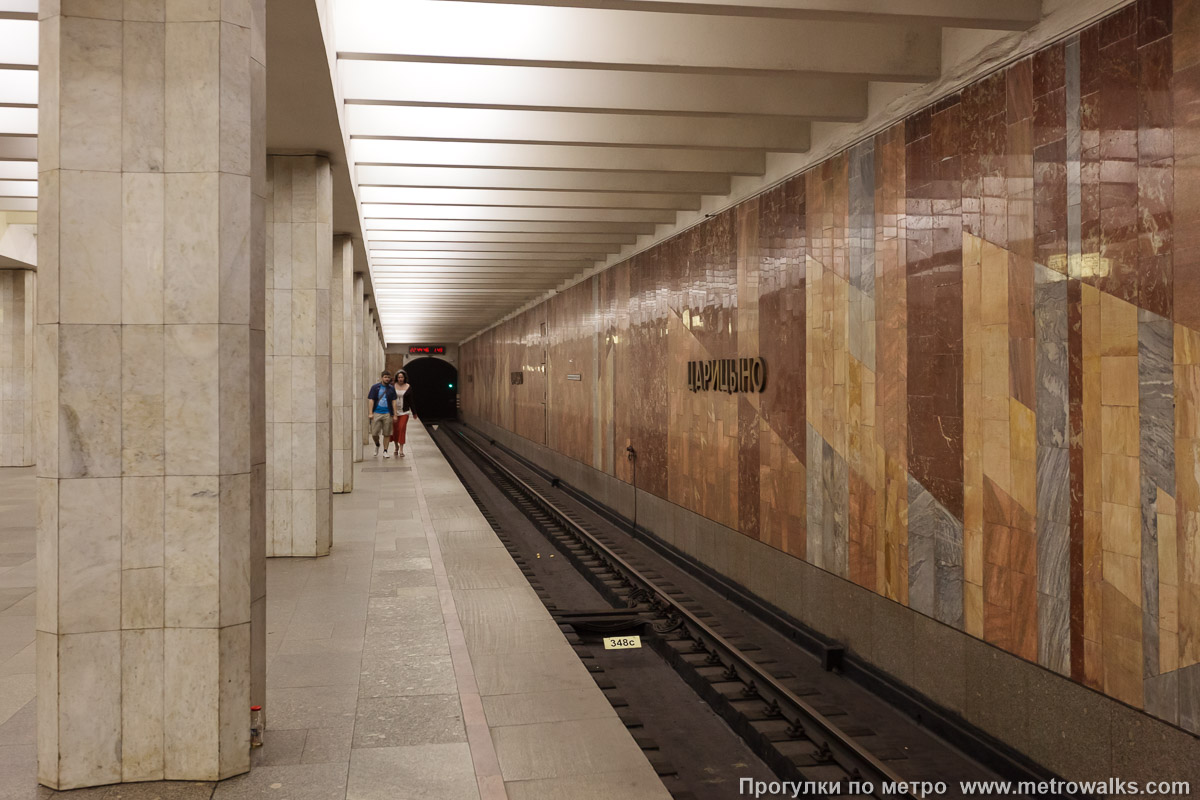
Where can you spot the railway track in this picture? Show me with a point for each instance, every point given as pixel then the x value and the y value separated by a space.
pixel 794 711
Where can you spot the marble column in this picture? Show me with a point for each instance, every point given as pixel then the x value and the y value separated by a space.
pixel 148 364
pixel 16 367
pixel 299 368
pixel 341 304
pixel 359 371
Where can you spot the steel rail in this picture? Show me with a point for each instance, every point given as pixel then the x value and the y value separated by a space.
pixel 833 745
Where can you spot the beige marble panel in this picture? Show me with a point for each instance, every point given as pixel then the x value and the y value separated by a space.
pixel 141 522
pixel 192 96
pixel 233 287
pixel 234 579
pixel 143 399
pixel 89 709
pixel 89 568
pixel 191 550
pixel 46 645
pixel 143 227
pixel 89 130
pixel 234 699
pixel 47 556
pixel 191 674
pixel 89 401
pixel 192 249
pixel 142 86
pixel 192 433
pixel 142 705
pixel 89 241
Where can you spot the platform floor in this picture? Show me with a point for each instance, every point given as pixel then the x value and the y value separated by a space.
pixel 413 662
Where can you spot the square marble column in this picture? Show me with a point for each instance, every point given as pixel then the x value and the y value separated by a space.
pixel 360 369
pixel 299 371
pixel 148 424
pixel 341 303
pixel 16 367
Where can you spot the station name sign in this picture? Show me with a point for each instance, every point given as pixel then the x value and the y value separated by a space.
pixel 731 375
pixel 427 350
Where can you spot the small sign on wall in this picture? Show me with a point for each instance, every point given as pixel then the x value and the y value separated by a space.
pixel 574 376
pixel 516 378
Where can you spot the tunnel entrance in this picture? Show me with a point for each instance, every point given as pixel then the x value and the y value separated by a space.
pixel 434 387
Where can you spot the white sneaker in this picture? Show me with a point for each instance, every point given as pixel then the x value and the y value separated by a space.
pixel 385 454
pixel 377 451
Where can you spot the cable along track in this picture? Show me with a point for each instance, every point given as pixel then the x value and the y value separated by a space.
pixel 833 756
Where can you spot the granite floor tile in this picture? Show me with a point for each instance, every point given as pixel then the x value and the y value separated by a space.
pixel 403 721
pixel 328 745
pixel 441 771
pixel 312 707
pixel 295 782
pixel 634 784
pixel 280 748
pixel 570 748
pixel 385 676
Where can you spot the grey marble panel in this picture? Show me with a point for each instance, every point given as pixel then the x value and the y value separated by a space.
pixel 1156 416
pixel 1054 632
pixel 935 557
pixel 1189 698
pixel 1053 484
pixel 1050 318
pixel 1156 392
pixel 1162 696
pixel 835 487
pixel 860 252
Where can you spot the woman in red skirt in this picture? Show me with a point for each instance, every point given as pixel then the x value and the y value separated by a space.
pixel 403 410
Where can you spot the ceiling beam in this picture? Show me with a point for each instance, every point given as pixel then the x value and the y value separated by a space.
pixel 564 264
pixel 376 196
pixel 508 226
pixel 468 33
pixel 510 213
pixel 614 240
pixel 534 257
pixel 555 157
pixel 782 134
pixel 556 180
pixel 547 88
pixel 990 14
pixel 575 249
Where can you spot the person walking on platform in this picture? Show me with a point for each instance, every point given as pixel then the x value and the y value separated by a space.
pixel 403 410
pixel 381 411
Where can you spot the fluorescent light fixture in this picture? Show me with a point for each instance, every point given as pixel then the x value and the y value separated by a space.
pixel 18 86
pixel 19 42
pixel 21 121
pixel 18 170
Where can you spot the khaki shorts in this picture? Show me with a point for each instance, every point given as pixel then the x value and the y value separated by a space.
pixel 381 425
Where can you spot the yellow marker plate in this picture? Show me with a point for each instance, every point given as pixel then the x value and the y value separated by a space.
pixel 622 642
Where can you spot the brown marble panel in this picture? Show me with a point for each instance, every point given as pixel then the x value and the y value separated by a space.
pixel 891 358
pixel 782 246
pixel 934 298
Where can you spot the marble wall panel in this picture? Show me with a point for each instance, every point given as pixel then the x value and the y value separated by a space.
pixel 984 379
